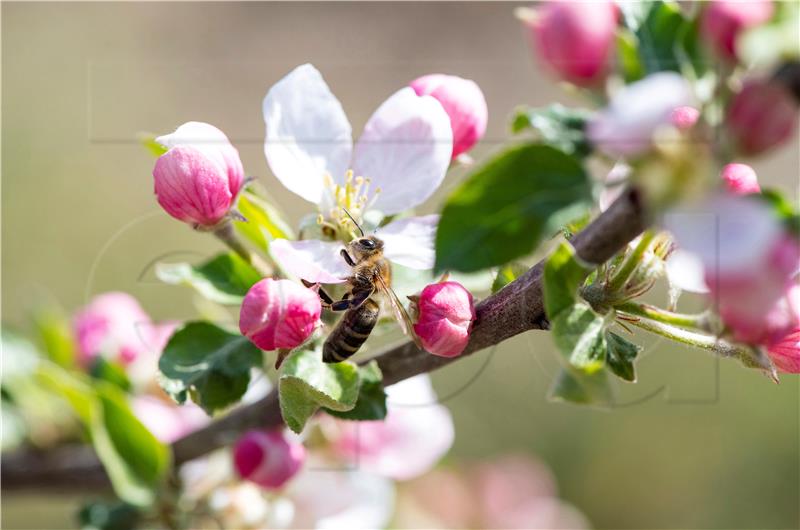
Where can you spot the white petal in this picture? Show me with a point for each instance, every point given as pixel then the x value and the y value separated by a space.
pixel 685 271
pixel 410 242
pixel 311 260
pixel 405 149
pixel 193 133
pixel 307 133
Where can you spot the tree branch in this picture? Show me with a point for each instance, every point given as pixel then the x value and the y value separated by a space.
pixel 515 309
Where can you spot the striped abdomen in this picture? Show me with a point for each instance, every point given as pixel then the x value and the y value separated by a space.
pixel 351 332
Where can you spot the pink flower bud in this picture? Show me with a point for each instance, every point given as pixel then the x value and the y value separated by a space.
pixel 723 21
pixel 785 353
pixel 279 314
pixel 740 179
pixel 684 117
pixel 445 315
pixel 760 117
pixel 114 326
pixel 464 103
pixel 267 458
pixel 199 177
pixel 575 39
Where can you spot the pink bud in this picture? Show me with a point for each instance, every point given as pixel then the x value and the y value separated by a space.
pixel 684 117
pixel 575 39
pixel 464 103
pixel 115 326
pixel 445 315
pixel 723 21
pixel 199 177
pixel 785 353
pixel 761 116
pixel 279 314
pixel 267 458
pixel 740 179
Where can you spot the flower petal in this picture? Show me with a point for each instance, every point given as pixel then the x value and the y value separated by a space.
pixel 311 260
pixel 685 271
pixel 307 133
pixel 410 242
pixel 405 150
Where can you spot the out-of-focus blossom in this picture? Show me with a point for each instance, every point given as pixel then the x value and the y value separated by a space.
pixel 464 103
pixel 722 21
pixel 240 505
pixel 445 312
pixel 785 353
pixel 574 39
pixel 279 314
pixel 268 458
pixel 740 179
pixel 627 125
pixel 198 179
pixel 168 422
pixel 399 161
pixel 684 117
pixel 761 116
pixel 415 434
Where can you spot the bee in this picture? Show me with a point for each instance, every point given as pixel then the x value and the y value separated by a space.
pixel 371 275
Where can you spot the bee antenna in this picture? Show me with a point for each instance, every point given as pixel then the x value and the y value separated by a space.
pixel 354 221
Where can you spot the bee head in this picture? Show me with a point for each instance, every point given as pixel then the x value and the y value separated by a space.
pixel 365 246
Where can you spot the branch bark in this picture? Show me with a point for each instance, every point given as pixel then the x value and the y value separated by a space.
pixel 515 309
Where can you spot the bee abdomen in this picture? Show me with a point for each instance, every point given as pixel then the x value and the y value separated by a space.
pixel 351 332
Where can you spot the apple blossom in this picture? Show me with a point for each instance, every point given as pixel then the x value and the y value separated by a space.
pixel 445 313
pixel 399 161
pixel 761 116
pixel 267 458
pixel 574 39
pixel 722 21
pixel 167 421
pixel 464 103
pixel 627 125
pixel 785 352
pixel 740 179
pixel 279 314
pixel 684 117
pixel 198 179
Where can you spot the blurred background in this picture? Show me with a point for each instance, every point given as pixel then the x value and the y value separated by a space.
pixel 697 443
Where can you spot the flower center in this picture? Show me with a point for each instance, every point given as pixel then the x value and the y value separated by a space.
pixel 352 197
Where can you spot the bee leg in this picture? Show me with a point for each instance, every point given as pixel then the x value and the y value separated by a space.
pixel 358 298
pixel 347 258
pixel 325 297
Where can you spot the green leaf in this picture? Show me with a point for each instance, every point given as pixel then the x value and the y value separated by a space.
pixel 574 386
pixel 211 364
pixel 564 273
pixel 620 356
pixel 264 222
pixel 508 205
pixel 77 391
pixel 149 142
pixel 224 279
pixel 579 333
pixel 307 384
pixel 629 61
pixel 55 331
pixel 556 125
pixel 110 372
pixel 507 274
pixel 108 516
pixel 371 403
pixel 667 40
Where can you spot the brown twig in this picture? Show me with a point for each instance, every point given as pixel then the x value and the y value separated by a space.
pixel 517 308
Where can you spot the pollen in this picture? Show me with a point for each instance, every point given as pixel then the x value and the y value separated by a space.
pixel 352 196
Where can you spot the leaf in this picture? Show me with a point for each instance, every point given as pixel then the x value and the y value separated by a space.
pixel 661 36
pixel 108 516
pixel 371 403
pixel 574 386
pixel 507 274
pixel 629 60
pixel 110 372
pixel 55 332
pixel 307 384
pixel 224 279
pixel 507 206
pixel 620 356
pixel 264 223
pixel 579 333
pixel 211 364
pixel 149 142
pixel 564 273
pixel 556 125
pixel 77 391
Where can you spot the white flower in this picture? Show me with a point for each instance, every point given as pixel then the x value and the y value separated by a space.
pixel 399 161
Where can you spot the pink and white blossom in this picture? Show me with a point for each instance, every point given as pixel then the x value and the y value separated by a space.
pixel 763 115
pixel 740 179
pixel 684 117
pixel 464 103
pixel 626 127
pixel 445 313
pixel 198 179
pixel 167 421
pixel 722 21
pixel 279 314
pixel 268 458
pixel 785 352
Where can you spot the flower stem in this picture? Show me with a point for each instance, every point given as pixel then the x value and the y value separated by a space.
pixel 628 266
pixel 697 322
pixel 226 234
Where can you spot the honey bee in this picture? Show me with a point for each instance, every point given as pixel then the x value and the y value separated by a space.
pixel 371 275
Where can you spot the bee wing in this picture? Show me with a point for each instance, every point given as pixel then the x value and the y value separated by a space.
pixel 400 313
